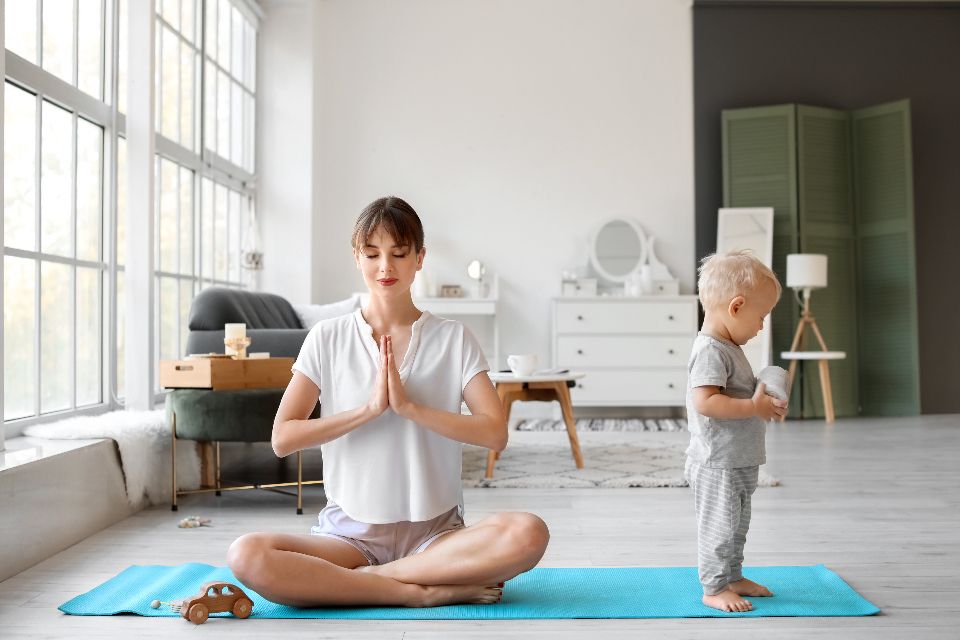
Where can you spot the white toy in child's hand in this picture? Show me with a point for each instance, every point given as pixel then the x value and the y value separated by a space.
pixel 775 379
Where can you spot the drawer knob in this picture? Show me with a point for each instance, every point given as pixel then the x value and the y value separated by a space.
pixel 579 352
pixel 670 317
pixel 579 385
pixel 670 385
pixel 579 317
pixel 671 351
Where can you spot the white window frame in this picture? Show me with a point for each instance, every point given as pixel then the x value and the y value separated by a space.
pixel 47 87
pixel 203 163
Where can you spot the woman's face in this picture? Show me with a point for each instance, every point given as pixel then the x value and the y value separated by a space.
pixel 388 269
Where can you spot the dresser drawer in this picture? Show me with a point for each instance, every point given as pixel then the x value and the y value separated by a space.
pixel 626 317
pixel 664 387
pixel 623 351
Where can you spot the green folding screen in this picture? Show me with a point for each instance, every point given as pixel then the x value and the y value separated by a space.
pixel 840 185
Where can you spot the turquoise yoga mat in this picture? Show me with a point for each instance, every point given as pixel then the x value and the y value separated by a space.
pixel 623 592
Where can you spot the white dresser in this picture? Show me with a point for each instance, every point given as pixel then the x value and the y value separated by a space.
pixel 633 350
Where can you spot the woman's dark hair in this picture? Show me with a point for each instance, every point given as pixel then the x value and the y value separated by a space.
pixel 396 217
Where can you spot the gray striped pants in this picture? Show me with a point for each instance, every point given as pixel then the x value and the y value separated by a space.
pixel 722 499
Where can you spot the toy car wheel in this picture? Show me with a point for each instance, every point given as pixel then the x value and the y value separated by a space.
pixel 198 613
pixel 242 608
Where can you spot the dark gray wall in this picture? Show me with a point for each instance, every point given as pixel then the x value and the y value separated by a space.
pixel 847 56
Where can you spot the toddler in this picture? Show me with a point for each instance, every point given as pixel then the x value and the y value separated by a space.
pixel 727 410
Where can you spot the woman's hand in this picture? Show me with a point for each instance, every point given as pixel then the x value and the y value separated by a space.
pixel 380 398
pixel 399 401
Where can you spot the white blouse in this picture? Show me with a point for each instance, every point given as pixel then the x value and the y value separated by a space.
pixel 391 469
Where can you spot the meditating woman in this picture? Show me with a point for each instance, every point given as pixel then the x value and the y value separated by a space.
pixel 390 379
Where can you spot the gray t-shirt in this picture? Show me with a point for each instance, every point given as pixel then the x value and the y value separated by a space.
pixel 717 443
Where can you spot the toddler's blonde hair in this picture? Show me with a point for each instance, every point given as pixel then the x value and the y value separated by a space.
pixel 724 276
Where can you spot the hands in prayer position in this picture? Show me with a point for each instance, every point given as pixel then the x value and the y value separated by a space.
pixel 388 389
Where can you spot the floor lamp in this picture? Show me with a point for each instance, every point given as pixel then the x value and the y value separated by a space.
pixel 806 272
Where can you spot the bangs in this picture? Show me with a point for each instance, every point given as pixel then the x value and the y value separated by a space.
pixel 395 217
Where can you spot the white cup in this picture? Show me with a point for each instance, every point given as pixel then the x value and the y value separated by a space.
pixel 522 365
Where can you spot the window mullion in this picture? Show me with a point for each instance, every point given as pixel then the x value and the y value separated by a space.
pixel 38 222
pixel 73 254
pixel 76 44
pixel 40 33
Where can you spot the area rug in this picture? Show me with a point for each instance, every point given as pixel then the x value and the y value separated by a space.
pixel 143 438
pixel 605 424
pixel 546 593
pixel 542 460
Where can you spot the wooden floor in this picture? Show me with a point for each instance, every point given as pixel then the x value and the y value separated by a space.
pixel 878 501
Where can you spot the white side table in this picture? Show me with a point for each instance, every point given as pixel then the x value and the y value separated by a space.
pixel 543 388
pixel 823 357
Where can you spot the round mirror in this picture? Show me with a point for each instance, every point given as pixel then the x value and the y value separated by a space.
pixel 618 249
pixel 476 270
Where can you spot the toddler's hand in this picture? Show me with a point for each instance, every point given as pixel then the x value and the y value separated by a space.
pixel 767 407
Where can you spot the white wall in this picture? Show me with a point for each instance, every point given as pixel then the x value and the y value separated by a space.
pixel 285 163
pixel 512 126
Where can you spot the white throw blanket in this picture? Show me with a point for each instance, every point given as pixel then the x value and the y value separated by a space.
pixel 143 438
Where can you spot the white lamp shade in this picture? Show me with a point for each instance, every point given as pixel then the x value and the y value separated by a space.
pixel 806 271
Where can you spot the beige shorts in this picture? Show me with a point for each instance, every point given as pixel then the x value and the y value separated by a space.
pixel 383 543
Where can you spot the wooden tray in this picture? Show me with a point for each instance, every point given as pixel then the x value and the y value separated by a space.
pixel 223 373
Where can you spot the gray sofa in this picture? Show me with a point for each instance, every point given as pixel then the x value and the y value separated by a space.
pixel 272 324
pixel 242 415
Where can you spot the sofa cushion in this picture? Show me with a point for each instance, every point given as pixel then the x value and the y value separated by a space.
pixel 216 306
pixel 311 314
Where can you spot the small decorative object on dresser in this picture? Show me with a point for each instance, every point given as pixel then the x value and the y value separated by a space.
pixel 633 350
pixel 451 291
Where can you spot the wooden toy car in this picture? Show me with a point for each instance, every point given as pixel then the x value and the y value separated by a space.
pixel 216 597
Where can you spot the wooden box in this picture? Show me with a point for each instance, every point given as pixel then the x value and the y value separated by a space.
pixel 226 373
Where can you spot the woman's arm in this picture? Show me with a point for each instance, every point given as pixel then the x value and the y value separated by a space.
pixel 293 431
pixel 485 427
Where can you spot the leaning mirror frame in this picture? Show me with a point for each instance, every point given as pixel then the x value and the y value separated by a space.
pixel 641 257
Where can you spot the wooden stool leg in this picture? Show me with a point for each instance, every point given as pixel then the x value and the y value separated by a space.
pixel 207 475
pixel 827 391
pixel 566 407
pixel 506 400
pixel 791 373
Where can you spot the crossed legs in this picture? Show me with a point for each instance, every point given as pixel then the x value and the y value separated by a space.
pixel 462 566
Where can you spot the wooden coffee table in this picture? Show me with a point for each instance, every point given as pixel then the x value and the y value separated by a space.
pixel 544 388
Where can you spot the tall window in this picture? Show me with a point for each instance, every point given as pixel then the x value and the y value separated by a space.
pixel 55 264
pixel 64 175
pixel 204 191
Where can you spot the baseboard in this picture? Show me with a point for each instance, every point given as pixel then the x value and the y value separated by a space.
pixel 56 494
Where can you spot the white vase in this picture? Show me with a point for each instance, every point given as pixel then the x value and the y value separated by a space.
pixel 646 279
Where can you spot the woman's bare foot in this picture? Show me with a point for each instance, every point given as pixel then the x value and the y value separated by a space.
pixel 439 595
pixel 744 587
pixel 727 600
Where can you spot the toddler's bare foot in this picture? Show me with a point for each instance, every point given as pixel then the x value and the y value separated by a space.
pixel 439 595
pixel 727 600
pixel 746 587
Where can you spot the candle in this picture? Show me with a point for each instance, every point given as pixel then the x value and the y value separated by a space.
pixel 235 330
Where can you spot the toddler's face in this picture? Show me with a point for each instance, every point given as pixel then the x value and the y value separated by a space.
pixel 746 320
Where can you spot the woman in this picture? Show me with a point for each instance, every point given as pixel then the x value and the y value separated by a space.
pixel 390 379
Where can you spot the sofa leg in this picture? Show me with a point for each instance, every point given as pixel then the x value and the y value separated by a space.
pixel 299 483
pixel 173 462
pixel 217 467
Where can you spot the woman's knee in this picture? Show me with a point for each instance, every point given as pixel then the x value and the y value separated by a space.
pixel 247 556
pixel 529 533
